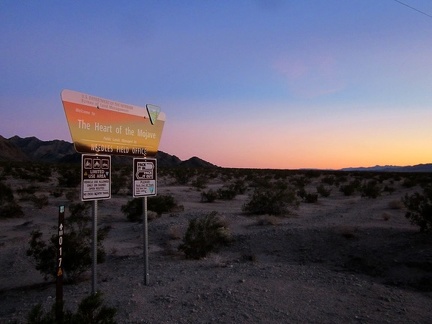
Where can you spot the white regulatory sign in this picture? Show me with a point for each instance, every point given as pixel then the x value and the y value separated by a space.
pixel 95 177
pixel 144 177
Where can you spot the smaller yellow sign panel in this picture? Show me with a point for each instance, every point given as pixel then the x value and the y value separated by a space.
pixel 100 125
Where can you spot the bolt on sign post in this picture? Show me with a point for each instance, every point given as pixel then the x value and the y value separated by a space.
pixel 103 126
pixel 59 278
pixel 144 185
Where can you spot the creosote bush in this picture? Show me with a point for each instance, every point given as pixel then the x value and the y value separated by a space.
pixel 11 210
pixel 6 193
pixel 271 202
pixel 159 204
pixel 69 176
pixel 370 189
pixel 77 240
pixel 8 206
pixel 310 198
pixel 200 182
pixel 227 193
pixel 90 310
pixel 323 191
pixel 419 208
pixel 205 235
pixel 39 201
pixel 208 196
pixel 349 189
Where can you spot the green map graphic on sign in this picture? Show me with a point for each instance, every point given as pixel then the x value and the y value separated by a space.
pixel 153 112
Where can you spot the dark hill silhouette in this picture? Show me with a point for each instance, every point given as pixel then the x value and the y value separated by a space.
pixel 17 149
pixel 10 152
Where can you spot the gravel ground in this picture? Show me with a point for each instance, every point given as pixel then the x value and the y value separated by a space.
pixel 341 260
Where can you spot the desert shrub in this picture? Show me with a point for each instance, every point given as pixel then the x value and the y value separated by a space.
pixel 39 201
pixel 6 193
pixel 204 235
pixel 77 239
pixel 311 198
pixel 226 193
pixel 389 189
pixel 208 196
pixel 370 189
pixel 11 210
pixel 300 181
pixel 409 182
pixel 311 174
pixel 72 195
pixel 159 204
pixel 117 183
pixel 200 182
pixel 420 209
pixel 69 177
pixel 301 193
pixel 323 191
pixel 90 310
pixel 330 180
pixel 350 188
pixel 239 187
pixel 26 193
pixel 280 185
pixel 272 202
pixel 182 175
pixel 7 169
pixel 38 172
pixel 133 209
pixel 260 182
pixel 56 192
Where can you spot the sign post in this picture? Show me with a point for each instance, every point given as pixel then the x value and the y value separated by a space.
pixel 95 185
pixel 59 278
pixel 103 126
pixel 144 185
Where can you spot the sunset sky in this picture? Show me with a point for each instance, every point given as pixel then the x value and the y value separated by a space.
pixel 248 83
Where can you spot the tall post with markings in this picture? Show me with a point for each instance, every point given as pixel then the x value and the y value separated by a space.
pixel 59 278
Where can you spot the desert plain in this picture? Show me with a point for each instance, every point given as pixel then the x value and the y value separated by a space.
pixel 340 259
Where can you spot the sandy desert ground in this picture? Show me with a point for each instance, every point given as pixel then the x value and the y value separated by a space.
pixel 343 259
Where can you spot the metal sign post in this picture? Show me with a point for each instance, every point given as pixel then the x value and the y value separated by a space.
pixel 95 185
pixel 99 125
pixel 94 246
pixel 145 237
pixel 144 185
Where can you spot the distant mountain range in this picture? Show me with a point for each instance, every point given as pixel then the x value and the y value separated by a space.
pixel 17 149
pixel 58 151
pixel 393 168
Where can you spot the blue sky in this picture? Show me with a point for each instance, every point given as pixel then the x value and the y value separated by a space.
pixel 267 84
